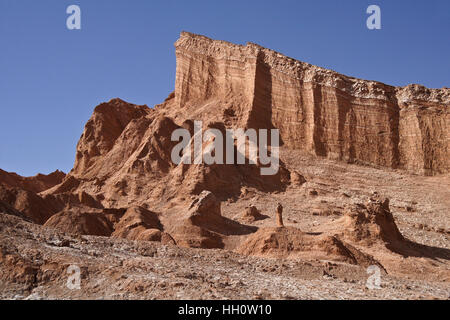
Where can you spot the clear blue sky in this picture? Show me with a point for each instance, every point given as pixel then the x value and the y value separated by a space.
pixel 51 78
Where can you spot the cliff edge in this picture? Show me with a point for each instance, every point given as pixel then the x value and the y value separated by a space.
pixel 317 110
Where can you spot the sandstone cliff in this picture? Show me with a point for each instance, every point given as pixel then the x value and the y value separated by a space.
pixel 123 156
pixel 38 183
pixel 125 185
pixel 317 110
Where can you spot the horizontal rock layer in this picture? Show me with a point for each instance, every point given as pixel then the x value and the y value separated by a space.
pixel 317 110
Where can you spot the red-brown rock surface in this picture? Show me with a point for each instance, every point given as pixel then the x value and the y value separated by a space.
pixel 316 110
pixel 342 139
pixel 35 184
pixel 291 243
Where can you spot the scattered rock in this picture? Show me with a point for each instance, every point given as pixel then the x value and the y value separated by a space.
pixel 252 214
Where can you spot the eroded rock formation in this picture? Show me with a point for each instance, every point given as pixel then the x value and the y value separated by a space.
pixel 124 184
pixel 35 184
pixel 317 110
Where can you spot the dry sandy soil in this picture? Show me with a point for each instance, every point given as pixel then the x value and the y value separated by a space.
pixel 35 259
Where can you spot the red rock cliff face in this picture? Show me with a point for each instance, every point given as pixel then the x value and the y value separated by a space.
pixel 317 110
pixel 36 184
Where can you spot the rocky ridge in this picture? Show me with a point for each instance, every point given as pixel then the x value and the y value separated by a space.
pixel 341 137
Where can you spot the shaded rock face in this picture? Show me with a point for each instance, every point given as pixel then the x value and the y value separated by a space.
pixel 141 224
pixel 297 179
pixel 252 214
pixel 205 206
pixel 203 214
pixel 317 110
pixel 28 203
pixel 293 243
pixel 81 223
pixel 123 158
pixel 371 223
pixel 101 131
pixel 135 221
pixel 192 236
pixel 35 184
pixel 203 226
pixel 10 210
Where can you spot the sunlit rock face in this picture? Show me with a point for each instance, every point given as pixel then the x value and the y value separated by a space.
pixel 317 110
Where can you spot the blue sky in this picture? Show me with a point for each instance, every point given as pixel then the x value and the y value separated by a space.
pixel 51 78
